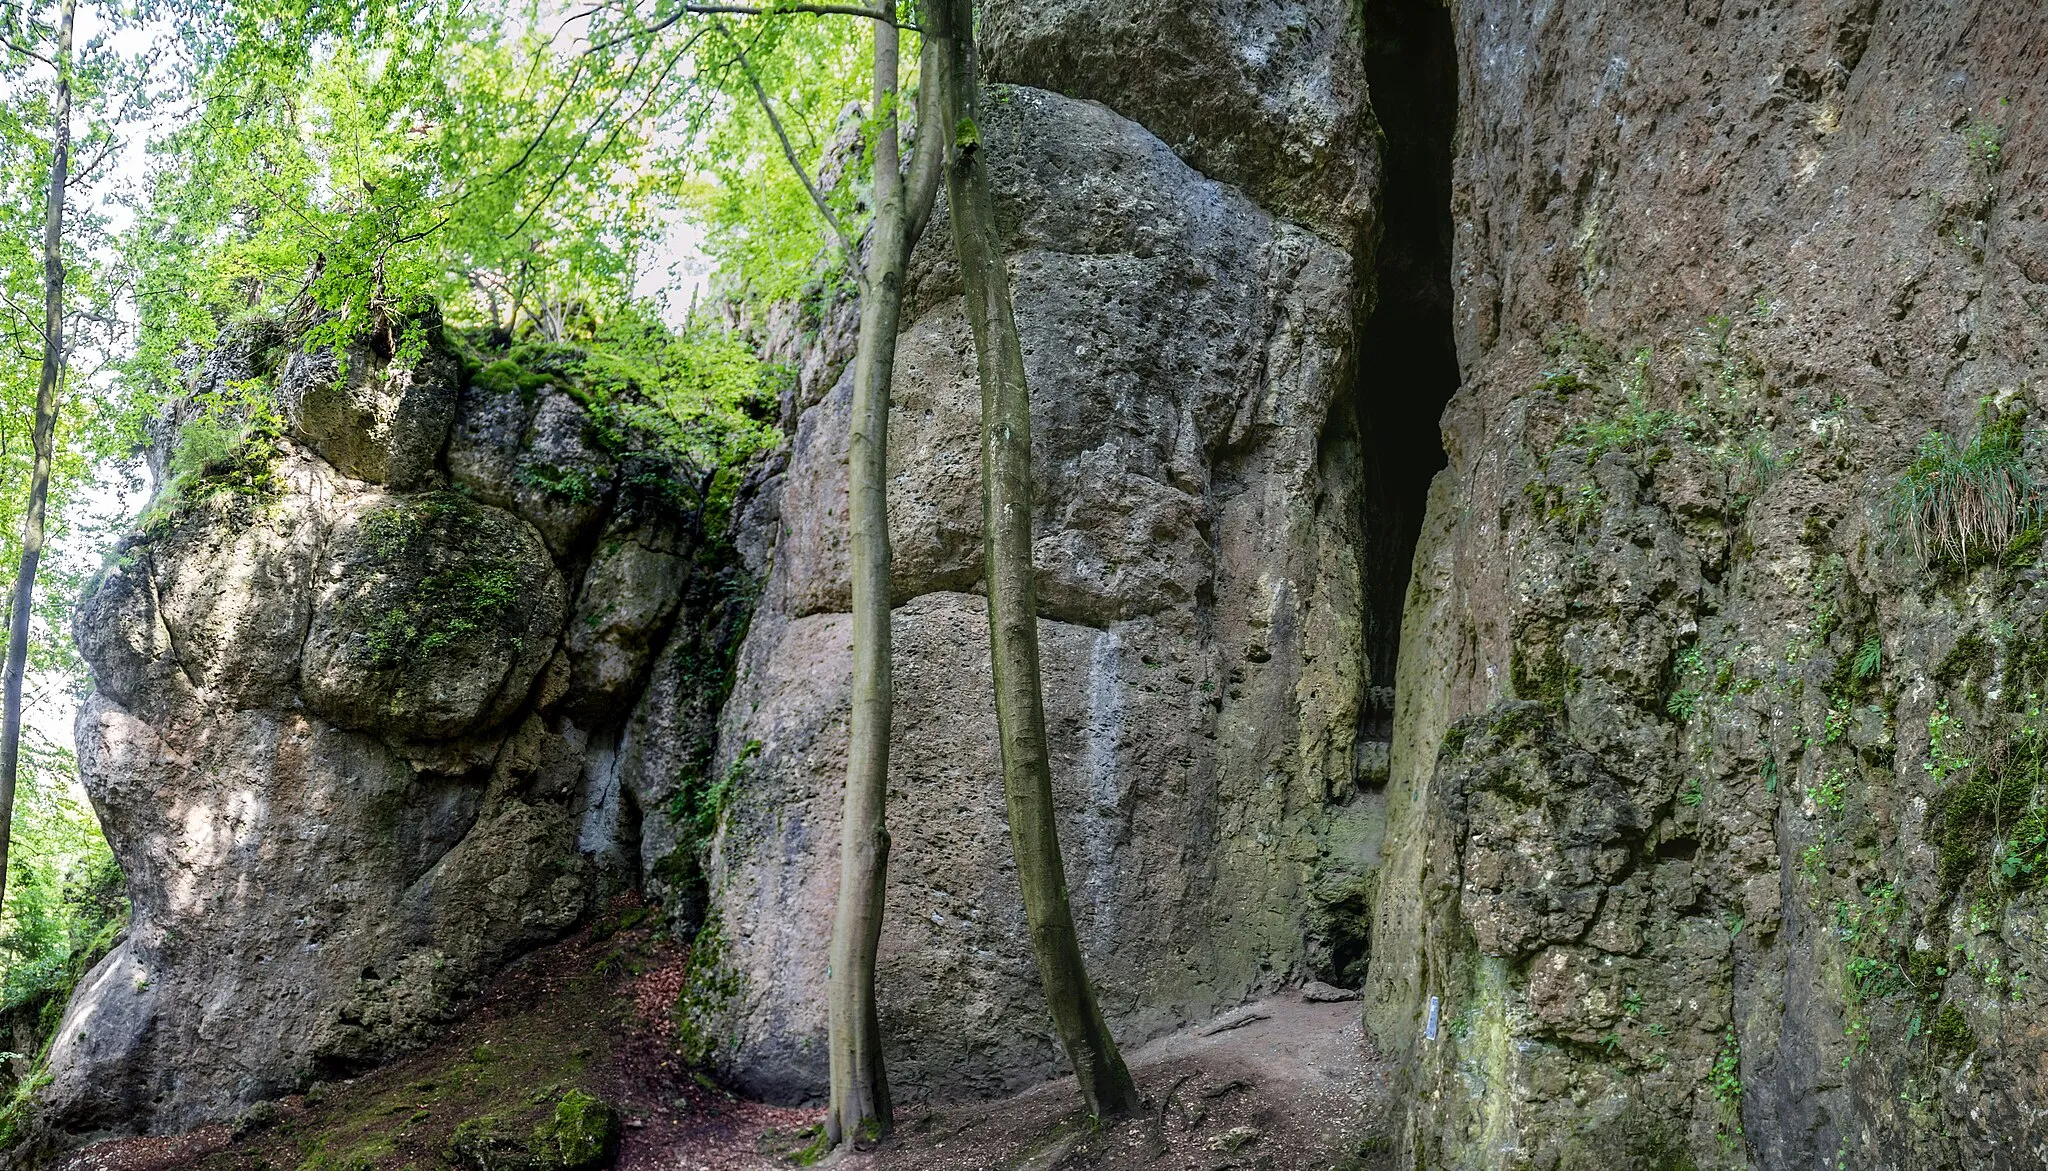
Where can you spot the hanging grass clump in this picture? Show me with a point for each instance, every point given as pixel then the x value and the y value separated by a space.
pixel 1960 505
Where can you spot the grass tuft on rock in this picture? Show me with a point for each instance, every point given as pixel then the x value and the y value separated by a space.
pixel 1960 505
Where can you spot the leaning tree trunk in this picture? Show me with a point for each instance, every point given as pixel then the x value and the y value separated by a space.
pixel 45 438
pixel 1012 595
pixel 860 1107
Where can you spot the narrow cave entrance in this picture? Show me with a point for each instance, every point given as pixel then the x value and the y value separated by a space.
pixel 1407 358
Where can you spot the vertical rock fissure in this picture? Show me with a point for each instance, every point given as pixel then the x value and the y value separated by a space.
pixel 1407 359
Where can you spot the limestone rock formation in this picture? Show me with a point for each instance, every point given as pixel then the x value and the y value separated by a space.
pixel 1709 819
pixel 1685 807
pixel 1201 626
pixel 353 733
pixel 1268 97
pixel 373 418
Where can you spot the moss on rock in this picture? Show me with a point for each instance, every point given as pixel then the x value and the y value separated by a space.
pixel 580 1134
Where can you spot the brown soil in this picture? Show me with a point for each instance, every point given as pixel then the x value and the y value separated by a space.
pixel 588 1013
pixel 1293 1088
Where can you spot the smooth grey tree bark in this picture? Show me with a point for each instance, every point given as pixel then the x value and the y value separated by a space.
pixel 860 1107
pixel 45 434
pixel 1106 1084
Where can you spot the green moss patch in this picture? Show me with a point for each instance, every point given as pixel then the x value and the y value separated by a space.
pixel 575 1131
pixel 1545 677
pixel 1950 1035
pixel 472 595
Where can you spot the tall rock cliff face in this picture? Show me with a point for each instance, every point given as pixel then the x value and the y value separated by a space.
pixel 1715 814
pixel 1201 618
pixel 367 718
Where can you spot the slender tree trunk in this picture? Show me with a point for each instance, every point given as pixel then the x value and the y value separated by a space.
pixel 1012 594
pixel 860 1105
pixel 45 434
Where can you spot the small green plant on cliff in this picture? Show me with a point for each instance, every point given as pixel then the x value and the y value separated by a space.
pixel 1724 1082
pixel 1725 1078
pixel 1994 808
pixel 231 444
pixel 1827 791
pixel 1945 739
pixel 1632 427
pixel 1959 505
pixel 1985 138
pixel 697 805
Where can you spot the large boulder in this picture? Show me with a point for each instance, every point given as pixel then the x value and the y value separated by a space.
pixel 432 616
pixel 344 758
pixel 1268 97
pixel 522 442
pixel 377 408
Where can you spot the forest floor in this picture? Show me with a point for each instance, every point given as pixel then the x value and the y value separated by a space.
pixel 1281 1085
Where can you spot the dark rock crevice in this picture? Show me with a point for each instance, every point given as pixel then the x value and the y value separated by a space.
pixel 1407 358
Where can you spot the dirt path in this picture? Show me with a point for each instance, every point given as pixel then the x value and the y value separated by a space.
pixel 1280 1085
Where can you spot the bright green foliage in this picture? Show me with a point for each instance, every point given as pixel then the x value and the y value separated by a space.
pixel 65 905
pixel 1958 505
pixel 510 166
pixel 430 151
pixel 700 394
pixel 63 886
pixel 231 444
pixel 760 226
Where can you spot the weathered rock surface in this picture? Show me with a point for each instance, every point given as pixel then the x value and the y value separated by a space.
pixel 1200 627
pixel 353 746
pixel 1268 97
pixel 374 419
pixel 522 443
pixel 1713 829
pixel 1695 835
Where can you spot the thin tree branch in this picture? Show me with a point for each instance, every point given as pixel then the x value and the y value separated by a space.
pixel 781 9
pixel 25 51
pixel 750 10
pixel 789 151
pixel 84 174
